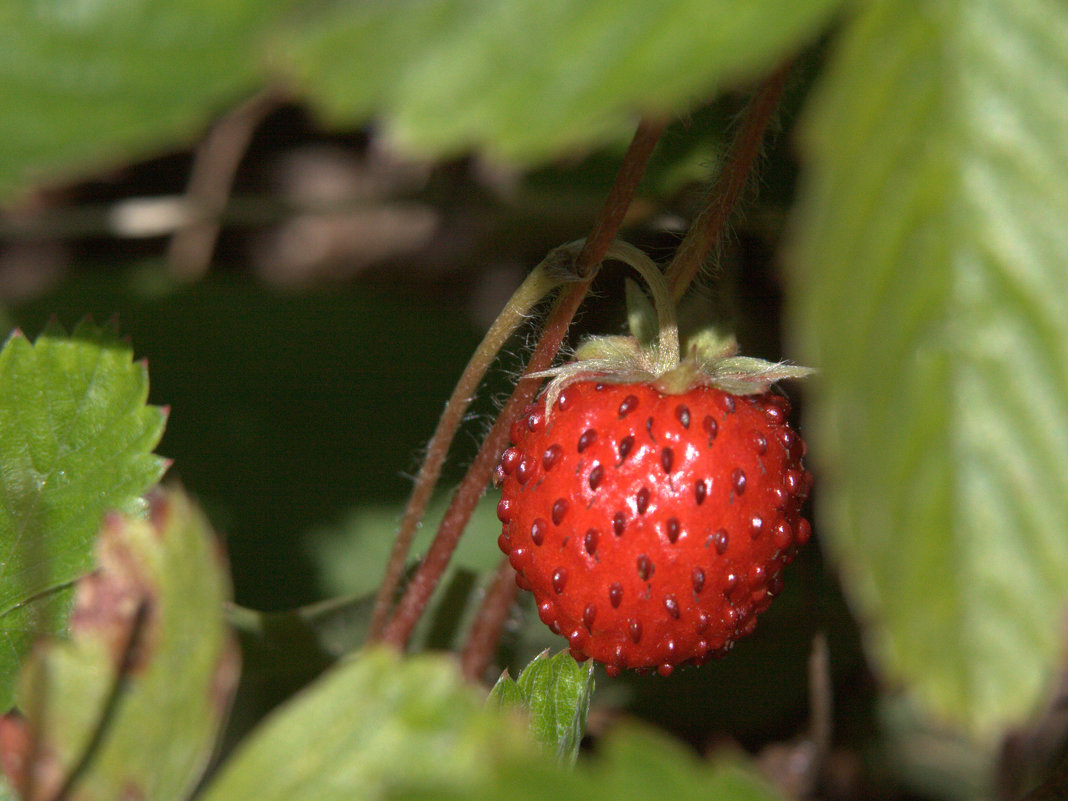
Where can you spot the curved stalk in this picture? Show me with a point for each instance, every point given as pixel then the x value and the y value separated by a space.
pixel 542 280
pixel 489 622
pixel 585 265
pixel 668 336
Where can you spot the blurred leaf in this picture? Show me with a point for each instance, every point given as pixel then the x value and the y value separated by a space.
pixel 932 760
pixel 373 727
pixel 555 693
pixel 379 726
pixel 633 763
pixel 532 78
pixel 281 652
pixel 933 296
pixel 131 705
pixel 96 83
pixel 76 440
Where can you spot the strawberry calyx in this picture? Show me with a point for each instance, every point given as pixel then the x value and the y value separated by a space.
pixel 651 353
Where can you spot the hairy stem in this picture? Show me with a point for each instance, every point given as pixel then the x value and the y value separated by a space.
pixel 706 230
pixel 489 623
pixel 425 580
pixel 541 281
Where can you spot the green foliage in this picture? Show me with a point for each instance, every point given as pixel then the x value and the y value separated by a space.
pixel 76 440
pixel 378 726
pixel 927 285
pixel 130 706
pixel 90 83
pixel 85 84
pixel 932 294
pixel 555 693
pixel 528 80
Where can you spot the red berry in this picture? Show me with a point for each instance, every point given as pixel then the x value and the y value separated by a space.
pixel 652 528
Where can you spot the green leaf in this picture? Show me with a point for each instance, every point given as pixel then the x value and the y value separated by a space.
pixel 933 297
pixel 85 83
pixel 556 691
pixel 76 440
pixel 378 726
pixel 531 78
pixel 131 705
pixel 373 727
pixel 351 557
pixel 633 763
pixel 281 652
pixel 505 693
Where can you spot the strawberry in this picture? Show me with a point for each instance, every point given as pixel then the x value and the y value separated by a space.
pixel 651 503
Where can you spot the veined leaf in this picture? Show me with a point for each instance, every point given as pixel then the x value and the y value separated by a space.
pixel 933 296
pixel 76 440
pixel 555 693
pixel 130 706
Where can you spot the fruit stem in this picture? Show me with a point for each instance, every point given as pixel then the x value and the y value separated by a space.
pixel 542 280
pixel 489 622
pixel 418 592
pixel 667 351
pixel 705 231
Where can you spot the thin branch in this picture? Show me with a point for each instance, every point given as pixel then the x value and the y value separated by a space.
pixel 538 284
pixel 706 230
pixel 215 165
pixel 620 194
pixel 489 622
pixel 425 580
pixel 423 583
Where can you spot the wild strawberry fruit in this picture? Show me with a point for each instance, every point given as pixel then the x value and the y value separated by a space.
pixel 652 518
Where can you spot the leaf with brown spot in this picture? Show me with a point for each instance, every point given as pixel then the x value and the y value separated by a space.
pixel 131 705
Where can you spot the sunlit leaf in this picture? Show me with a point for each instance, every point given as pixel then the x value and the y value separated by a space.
pixel 92 84
pixel 76 440
pixel 933 296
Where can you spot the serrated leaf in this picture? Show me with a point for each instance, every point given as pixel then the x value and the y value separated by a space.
pixel 76 440
pixel 531 78
pixel 933 297
pixel 131 705
pixel 556 693
pixel 85 83
pixel 505 693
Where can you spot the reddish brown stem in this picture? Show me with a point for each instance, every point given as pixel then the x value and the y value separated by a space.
pixel 418 592
pixel 620 194
pixel 707 229
pixel 489 623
